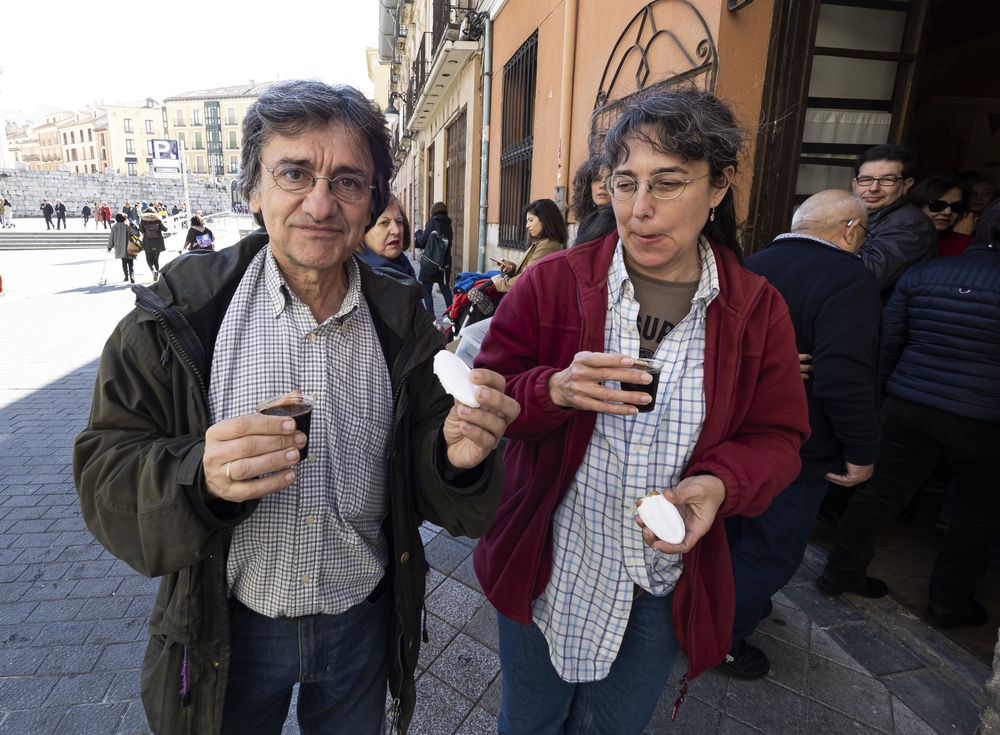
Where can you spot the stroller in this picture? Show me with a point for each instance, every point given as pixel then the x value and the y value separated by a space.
pixel 476 304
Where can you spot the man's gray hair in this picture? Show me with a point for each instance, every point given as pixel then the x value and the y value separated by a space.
pixel 296 106
pixel 825 212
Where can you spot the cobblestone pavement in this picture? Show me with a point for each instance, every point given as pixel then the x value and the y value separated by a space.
pixel 73 618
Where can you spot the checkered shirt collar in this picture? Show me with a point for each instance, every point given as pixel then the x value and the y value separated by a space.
pixel 619 281
pixel 282 296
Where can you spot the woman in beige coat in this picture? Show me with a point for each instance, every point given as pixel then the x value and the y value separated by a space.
pixel 546 234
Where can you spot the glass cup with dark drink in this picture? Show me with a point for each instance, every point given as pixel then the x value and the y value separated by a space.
pixel 652 367
pixel 296 404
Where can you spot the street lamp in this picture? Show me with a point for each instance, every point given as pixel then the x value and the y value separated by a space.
pixel 391 113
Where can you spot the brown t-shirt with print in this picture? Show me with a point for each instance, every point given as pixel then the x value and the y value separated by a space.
pixel 662 305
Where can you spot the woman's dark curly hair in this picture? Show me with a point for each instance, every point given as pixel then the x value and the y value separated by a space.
pixel 692 124
pixel 587 174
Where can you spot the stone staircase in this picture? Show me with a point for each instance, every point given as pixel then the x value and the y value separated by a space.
pixel 52 240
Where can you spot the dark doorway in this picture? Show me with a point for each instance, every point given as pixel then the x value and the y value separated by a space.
pixel 429 198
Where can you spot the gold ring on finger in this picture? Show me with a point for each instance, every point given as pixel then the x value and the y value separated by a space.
pixel 228 476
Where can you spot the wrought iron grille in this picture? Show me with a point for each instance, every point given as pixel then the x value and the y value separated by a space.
pixel 517 140
pixel 418 78
pixel 447 16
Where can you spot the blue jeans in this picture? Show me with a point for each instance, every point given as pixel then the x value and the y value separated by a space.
pixel 537 702
pixel 341 663
pixel 442 281
pixel 768 549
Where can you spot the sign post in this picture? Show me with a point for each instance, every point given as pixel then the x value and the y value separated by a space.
pixel 172 150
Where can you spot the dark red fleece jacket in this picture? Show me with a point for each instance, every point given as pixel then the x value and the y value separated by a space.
pixel 755 421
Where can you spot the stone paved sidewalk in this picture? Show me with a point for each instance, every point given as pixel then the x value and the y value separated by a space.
pixel 73 619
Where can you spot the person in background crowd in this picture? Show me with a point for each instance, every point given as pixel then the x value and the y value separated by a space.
pixel 137 213
pixel 943 201
pixel 899 235
pixel 105 214
pixel 941 377
pixel 9 216
pixel 982 191
pixel 118 240
pixel 86 212
pixel 180 477
pixel 545 233
pixel 60 210
pixel 3 212
pixel 439 222
pixel 152 229
pixel 590 201
pixel 386 243
pixel 837 314
pixel 47 213
pixel 200 239
pixel 127 211
pixel 175 210
pixel 586 597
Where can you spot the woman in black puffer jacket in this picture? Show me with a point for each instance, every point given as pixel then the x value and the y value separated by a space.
pixel 941 378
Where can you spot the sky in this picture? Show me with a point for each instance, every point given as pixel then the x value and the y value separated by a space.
pixel 76 54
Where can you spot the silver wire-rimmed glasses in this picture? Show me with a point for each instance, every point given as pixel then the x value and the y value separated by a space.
pixel 664 186
pixel 297 179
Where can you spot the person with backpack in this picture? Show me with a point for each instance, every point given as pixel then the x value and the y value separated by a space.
pixel 435 261
pixel 152 228
pixel 199 238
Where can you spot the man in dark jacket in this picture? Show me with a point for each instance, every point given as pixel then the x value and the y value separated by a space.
pixel 941 371
pixel 834 304
pixel 440 223
pixel 60 209
pixel 178 476
pixel 899 235
pixel 47 213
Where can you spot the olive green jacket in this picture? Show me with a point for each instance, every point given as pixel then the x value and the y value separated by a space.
pixel 138 472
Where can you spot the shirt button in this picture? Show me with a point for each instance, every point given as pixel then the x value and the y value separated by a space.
pixel 305 579
pixel 312 337
pixel 405 557
pixel 311 457
pixel 310 520
pixel 215 664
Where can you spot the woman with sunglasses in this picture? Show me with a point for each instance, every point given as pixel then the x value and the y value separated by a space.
pixel 944 202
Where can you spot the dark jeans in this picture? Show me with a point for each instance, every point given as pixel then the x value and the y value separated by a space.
pixel 128 266
pixel 914 438
pixel 442 282
pixel 341 663
pixel 48 222
pixel 767 550
pixel 536 701
pixel 152 258
pixel 60 221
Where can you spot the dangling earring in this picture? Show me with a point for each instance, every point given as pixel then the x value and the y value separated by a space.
pixel 711 217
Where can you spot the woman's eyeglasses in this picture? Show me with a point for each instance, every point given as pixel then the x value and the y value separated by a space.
pixel 939 205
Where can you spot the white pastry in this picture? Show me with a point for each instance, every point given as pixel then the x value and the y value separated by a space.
pixel 661 517
pixel 454 376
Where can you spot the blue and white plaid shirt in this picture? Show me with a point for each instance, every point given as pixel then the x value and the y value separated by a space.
pixel 598 555
pixel 316 546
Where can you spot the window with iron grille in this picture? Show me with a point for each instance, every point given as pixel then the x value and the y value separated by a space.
pixel 517 141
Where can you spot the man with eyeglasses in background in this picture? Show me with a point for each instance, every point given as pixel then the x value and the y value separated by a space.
pixel 282 564
pixel 833 301
pixel 899 234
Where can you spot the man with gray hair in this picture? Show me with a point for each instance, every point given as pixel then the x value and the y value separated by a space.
pixel 288 548
pixel 834 303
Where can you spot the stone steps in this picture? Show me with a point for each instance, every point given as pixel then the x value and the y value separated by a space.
pixel 14 240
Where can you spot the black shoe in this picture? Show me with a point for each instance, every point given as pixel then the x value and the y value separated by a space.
pixel 976 617
pixel 131 279
pixel 125 279
pixel 872 588
pixel 768 609
pixel 745 661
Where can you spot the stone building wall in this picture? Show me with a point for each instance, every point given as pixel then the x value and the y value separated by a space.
pixel 25 190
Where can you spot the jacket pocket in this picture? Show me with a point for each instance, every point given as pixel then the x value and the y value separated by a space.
pixel 162 683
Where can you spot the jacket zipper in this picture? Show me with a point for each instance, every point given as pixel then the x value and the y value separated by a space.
pixel 176 343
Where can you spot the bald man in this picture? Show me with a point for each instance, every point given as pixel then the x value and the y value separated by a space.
pixel 834 303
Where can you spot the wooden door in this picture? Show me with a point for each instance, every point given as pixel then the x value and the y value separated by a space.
pixel 454 167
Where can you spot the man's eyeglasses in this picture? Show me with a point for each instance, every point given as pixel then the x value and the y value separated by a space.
pixel 886 181
pixel 851 222
pixel 939 205
pixel 296 179
pixel 662 186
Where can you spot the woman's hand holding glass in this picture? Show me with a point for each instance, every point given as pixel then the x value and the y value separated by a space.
pixel 580 385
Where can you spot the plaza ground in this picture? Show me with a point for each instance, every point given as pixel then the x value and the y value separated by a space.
pixel 73 618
